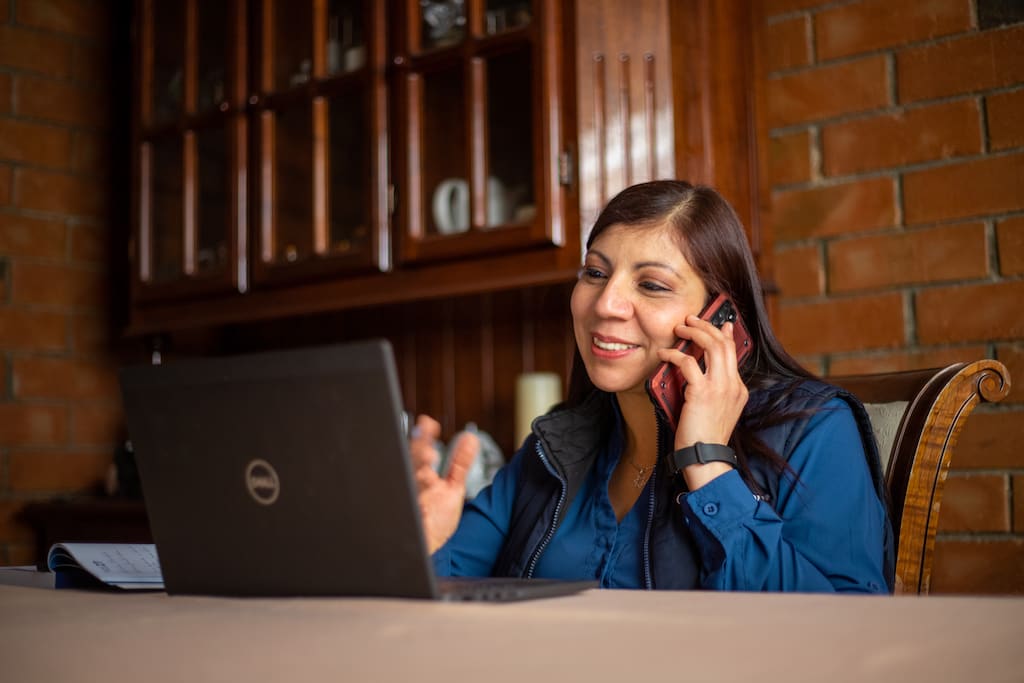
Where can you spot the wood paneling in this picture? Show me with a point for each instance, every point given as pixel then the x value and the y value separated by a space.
pixel 457 358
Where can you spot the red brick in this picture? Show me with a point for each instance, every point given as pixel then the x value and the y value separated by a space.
pixel 91 65
pixel 6 180
pixel 90 333
pixel 22 235
pixel 65 287
pixel 32 424
pixel 789 158
pixel 906 360
pixel 991 440
pixel 1010 243
pixel 990 185
pixel 79 17
pixel 967 313
pixel 1018 502
pixel 63 472
pixel 834 209
pixel 773 7
pixel 60 102
pixel 975 62
pixel 994 567
pixel 91 154
pixel 11 530
pixel 828 91
pixel 954 252
pixel 96 423
pixel 847 324
pixel 975 502
pixel 1005 114
pixel 33 330
pixel 90 243
pixel 64 378
pixel 60 193
pixel 36 144
pixel 799 271
pixel 1012 356
pixel 29 50
pixel 787 44
pixel 5 92
pixel 912 136
pixel 876 24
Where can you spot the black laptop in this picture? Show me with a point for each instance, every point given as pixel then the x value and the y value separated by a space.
pixel 287 473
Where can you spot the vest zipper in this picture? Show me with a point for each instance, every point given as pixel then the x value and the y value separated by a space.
pixel 648 583
pixel 554 519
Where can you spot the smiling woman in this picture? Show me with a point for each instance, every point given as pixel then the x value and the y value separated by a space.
pixel 770 481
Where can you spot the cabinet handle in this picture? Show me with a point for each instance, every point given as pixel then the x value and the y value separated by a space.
pixel 565 168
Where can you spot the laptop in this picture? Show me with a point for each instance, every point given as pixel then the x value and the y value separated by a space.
pixel 287 473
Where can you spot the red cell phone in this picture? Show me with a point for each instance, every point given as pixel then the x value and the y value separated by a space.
pixel 666 385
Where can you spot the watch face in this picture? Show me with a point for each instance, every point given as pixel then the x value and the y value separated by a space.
pixel 443 19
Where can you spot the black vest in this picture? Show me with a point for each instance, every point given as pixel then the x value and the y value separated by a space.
pixel 565 443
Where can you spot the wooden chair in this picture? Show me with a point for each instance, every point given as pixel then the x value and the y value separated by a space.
pixel 917 416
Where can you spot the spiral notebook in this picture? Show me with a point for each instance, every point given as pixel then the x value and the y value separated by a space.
pixel 287 473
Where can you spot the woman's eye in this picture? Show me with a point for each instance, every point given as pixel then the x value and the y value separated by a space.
pixel 652 286
pixel 591 273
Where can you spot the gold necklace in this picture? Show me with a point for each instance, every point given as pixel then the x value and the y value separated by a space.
pixel 642 471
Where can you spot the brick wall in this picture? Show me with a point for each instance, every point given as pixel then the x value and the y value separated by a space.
pixel 59 409
pixel 895 157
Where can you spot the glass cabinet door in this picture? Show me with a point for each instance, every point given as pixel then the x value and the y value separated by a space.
pixel 321 108
pixel 482 139
pixel 191 149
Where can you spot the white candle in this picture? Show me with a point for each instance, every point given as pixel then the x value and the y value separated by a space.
pixel 536 392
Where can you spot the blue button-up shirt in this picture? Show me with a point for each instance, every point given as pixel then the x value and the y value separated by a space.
pixel 824 533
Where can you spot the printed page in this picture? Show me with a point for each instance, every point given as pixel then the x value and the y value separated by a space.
pixel 127 565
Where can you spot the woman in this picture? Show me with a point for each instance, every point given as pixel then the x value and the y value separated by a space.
pixel 603 489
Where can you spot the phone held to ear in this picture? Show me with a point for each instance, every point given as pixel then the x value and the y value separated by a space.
pixel 666 385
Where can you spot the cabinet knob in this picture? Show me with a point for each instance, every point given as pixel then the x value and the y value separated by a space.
pixel 254 100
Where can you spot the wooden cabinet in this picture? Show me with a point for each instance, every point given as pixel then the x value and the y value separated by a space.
pixel 307 156
pixel 191 151
pixel 479 134
pixel 315 155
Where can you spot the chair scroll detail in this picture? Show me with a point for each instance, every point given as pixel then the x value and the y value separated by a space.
pixel 937 404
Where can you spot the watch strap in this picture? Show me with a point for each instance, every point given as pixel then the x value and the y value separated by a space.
pixel 702 453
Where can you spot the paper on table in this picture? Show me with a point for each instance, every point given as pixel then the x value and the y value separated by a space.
pixel 125 565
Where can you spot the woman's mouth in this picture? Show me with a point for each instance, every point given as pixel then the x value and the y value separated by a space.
pixel 611 348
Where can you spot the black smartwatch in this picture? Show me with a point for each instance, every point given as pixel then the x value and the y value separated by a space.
pixel 703 453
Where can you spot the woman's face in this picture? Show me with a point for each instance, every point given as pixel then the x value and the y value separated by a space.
pixel 634 288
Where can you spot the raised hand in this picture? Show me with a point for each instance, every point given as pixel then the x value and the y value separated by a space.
pixel 441 496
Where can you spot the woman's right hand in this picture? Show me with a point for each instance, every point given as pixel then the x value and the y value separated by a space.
pixel 440 497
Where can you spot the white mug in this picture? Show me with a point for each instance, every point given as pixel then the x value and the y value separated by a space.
pixel 451 205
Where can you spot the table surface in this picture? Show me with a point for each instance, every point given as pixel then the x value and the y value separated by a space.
pixel 598 635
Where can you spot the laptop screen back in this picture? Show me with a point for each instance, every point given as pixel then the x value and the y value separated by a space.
pixel 280 473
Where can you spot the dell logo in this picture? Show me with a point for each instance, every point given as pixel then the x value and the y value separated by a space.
pixel 262 482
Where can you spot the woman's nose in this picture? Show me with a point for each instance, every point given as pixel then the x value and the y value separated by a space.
pixel 614 301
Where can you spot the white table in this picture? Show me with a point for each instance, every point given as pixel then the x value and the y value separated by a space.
pixel 63 635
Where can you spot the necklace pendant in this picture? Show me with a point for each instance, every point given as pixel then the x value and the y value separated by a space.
pixel 638 480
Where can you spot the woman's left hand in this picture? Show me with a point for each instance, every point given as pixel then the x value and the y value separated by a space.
pixel 714 397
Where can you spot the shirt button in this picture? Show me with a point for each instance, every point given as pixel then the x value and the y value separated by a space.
pixel 873 585
pixel 710 509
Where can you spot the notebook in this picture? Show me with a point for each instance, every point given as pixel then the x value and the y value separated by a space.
pixel 287 473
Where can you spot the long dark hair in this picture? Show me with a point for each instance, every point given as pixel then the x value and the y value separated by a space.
pixel 712 240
